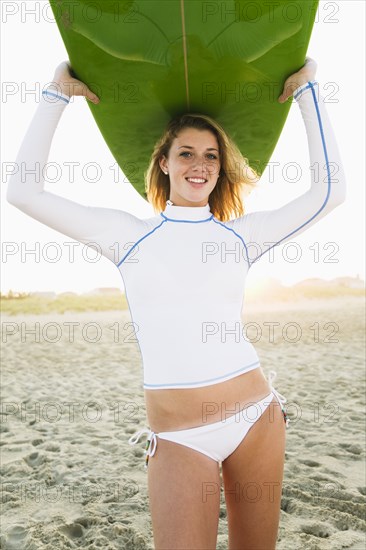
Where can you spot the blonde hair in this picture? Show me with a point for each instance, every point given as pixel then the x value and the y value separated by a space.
pixel 236 177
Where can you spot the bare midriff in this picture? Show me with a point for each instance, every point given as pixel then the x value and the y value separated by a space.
pixel 179 409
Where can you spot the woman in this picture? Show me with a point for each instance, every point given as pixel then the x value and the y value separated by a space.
pixel 207 399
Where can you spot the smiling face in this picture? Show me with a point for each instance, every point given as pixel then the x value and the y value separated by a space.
pixel 193 157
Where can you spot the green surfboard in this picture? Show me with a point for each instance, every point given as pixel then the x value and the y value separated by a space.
pixel 149 60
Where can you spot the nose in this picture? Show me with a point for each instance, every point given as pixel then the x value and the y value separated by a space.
pixel 200 165
pixel 203 168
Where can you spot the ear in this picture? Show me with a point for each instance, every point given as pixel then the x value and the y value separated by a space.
pixel 163 164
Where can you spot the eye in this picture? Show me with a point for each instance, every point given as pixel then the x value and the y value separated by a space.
pixel 209 154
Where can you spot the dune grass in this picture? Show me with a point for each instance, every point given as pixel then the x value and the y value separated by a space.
pixel 61 304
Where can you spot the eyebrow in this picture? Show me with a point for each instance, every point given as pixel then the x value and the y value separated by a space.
pixel 208 148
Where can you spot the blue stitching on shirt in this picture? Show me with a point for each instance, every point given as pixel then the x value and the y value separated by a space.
pixel 202 381
pixel 310 85
pixel 47 92
pixel 237 234
pixel 307 86
pixel 136 243
pixel 186 221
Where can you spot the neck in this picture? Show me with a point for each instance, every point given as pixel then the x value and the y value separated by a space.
pixel 173 211
pixel 170 203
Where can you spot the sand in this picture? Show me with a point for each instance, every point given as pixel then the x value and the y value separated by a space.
pixel 71 480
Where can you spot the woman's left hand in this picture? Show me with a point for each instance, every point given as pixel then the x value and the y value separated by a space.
pixel 306 73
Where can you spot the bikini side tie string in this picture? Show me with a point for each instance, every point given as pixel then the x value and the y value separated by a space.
pixel 282 400
pixel 151 442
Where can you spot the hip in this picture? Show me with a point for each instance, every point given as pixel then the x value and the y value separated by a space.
pixel 178 409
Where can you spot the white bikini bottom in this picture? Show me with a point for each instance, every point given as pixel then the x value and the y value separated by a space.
pixel 218 439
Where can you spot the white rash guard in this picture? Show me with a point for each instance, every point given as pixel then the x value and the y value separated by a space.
pixel 184 271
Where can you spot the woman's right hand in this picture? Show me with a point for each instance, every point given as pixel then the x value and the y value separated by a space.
pixel 306 73
pixel 69 85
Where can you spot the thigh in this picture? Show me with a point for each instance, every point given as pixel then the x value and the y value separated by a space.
pixel 253 476
pixel 184 497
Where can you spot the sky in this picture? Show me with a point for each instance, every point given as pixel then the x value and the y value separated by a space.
pixel 333 247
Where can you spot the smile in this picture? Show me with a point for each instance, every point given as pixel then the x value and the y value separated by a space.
pixel 196 180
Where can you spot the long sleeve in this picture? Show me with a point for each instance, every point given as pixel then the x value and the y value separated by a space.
pixel 86 224
pixel 263 230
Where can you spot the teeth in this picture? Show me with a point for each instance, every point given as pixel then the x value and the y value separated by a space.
pixel 196 180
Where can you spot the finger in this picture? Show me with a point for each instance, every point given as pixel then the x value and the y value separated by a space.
pixel 81 89
pixel 288 91
pixel 309 60
pixel 91 96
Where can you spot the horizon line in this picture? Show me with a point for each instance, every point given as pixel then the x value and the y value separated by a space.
pixel 272 281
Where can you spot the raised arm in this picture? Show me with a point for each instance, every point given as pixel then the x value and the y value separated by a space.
pixel 86 224
pixel 265 229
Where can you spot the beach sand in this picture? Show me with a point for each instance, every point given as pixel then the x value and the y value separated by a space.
pixel 72 397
